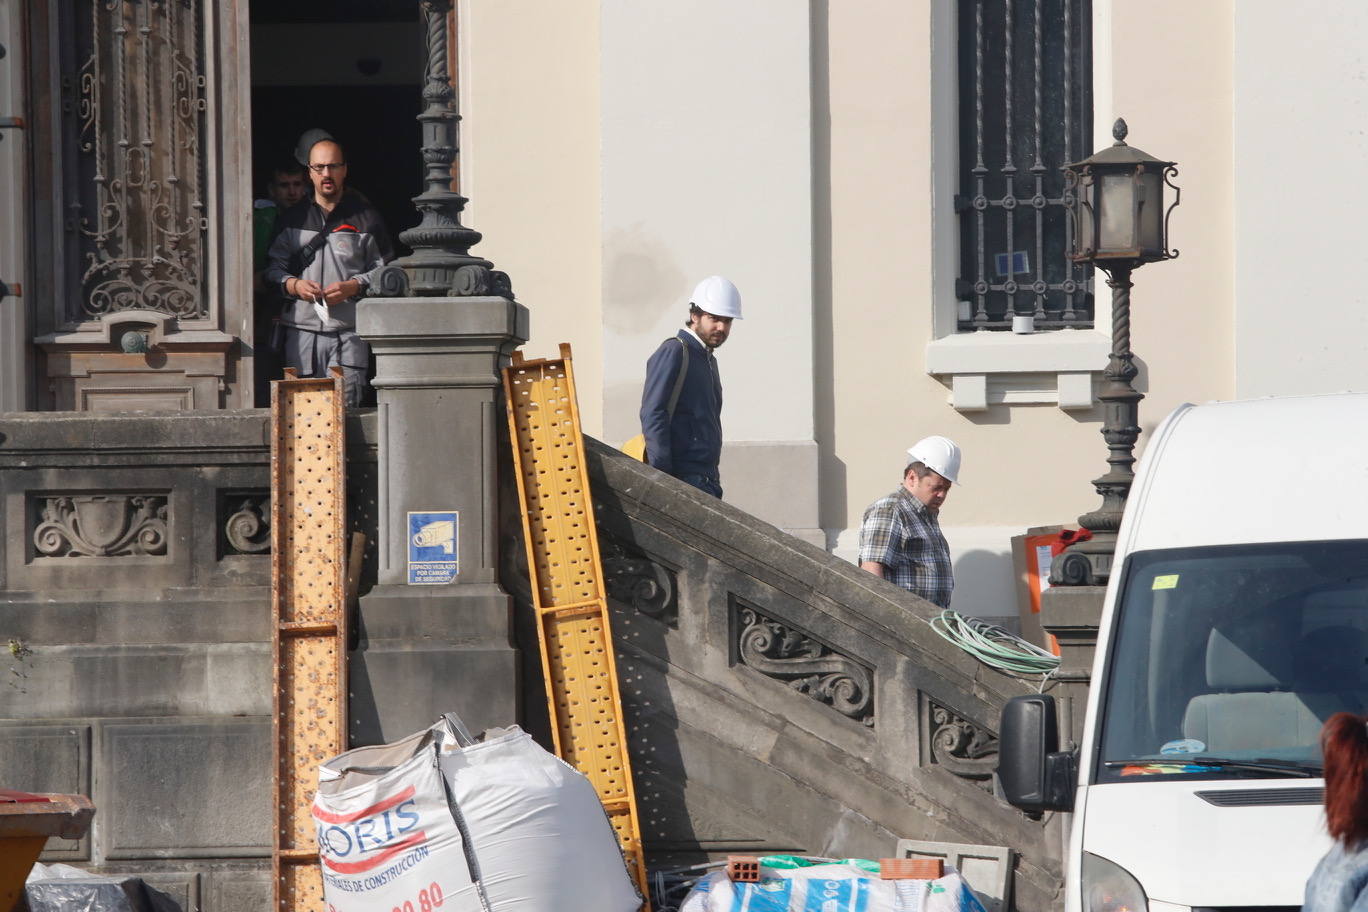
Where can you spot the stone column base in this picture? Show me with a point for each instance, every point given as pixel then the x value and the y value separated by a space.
pixel 423 652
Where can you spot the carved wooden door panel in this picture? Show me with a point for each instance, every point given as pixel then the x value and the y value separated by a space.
pixel 141 298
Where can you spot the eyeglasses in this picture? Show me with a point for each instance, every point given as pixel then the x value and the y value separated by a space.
pixel 327 166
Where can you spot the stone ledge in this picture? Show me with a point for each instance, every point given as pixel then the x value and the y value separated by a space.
pixel 32 440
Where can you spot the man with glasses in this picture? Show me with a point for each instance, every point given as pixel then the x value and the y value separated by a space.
pixel 322 261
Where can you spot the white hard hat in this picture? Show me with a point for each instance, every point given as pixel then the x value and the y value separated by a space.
pixel 717 296
pixel 939 454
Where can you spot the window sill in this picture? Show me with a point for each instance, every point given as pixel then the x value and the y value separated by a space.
pixel 993 368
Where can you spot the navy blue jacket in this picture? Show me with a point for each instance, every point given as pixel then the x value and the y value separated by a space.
pixel 691 443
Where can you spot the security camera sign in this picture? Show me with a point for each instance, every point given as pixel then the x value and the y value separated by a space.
pixel 432 555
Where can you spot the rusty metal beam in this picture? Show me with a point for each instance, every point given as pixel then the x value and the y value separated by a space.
pixel 308 598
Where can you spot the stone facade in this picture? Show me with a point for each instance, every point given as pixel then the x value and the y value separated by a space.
pixel 777 697
pixel 136 602
pixel 780 699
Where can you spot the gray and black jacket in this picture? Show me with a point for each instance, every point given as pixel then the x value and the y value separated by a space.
pixel 357 246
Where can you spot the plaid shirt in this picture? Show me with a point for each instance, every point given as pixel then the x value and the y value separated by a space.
pixel 902 534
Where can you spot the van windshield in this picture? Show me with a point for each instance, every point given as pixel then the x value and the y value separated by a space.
pixel 1227 660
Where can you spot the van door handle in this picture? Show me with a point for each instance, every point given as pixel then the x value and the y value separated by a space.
pixel 6 290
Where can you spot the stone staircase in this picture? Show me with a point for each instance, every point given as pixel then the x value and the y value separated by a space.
pixel 780 699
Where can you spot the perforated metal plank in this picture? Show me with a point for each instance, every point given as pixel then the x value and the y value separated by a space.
pixel 567 589
pixel 308 596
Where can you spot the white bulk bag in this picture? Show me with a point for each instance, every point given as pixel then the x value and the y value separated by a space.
pixel 438 820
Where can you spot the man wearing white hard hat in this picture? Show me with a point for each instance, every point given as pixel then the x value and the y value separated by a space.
pixel 900 538
pixel 681 403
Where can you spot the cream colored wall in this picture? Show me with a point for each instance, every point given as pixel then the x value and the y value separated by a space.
pixel 891 240
pixel 1301 98
pixel 530 166
pixel 1024 465
pixel 539 144
pixel 1171 72
pixel 707 170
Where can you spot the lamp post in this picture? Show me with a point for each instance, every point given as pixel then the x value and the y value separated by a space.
pixel 1116 206
pixel 441 263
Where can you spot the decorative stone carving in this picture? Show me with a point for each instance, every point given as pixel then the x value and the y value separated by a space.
pixel 957 744
pixel 636 580
pixel 101 525
pixel 248 531
pixel 779 651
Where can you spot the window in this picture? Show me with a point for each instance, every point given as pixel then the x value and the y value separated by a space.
pixel 1025 110
pixel 1226 661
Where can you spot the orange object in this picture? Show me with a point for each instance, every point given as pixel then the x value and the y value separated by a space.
pixel 911 868
pixel 26 822
pixel 743 868
pixel 309 598
pixel 1037 547
pixel 568 594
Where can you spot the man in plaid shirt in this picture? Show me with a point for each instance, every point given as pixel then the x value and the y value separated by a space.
pixel 900 537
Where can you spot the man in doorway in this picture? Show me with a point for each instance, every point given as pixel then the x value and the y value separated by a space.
pixel 286 187
pixel 900 537
pixel 681 404
pixel 323 260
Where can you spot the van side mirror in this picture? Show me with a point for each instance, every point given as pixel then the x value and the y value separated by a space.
pixel 1035 776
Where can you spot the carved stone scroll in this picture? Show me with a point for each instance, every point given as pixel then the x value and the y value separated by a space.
pixel 101 525
pixel 635 580
pixel 248 530
pixel 956 744
pixel 782 652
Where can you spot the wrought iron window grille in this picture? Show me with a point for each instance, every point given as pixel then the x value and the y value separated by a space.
pixel 1025 109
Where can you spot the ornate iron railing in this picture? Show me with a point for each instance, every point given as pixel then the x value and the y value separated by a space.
pixel 1025 89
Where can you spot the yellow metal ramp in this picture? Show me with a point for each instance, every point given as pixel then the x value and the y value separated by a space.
pixel 567 588
pixel 308 597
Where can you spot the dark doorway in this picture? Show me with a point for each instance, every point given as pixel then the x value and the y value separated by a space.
pixel 355 69
pixel 376 126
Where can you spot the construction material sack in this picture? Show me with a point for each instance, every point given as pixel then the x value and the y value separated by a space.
pixel 442 820
pixel 844 886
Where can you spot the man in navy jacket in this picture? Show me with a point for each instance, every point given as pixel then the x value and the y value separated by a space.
pixel 681 404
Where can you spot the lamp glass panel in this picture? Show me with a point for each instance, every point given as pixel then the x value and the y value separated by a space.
pixel 1085 242
pixel 1152 211
pixel 1116 222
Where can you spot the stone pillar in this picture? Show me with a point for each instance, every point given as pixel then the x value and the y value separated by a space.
pixel 431 647
pixel 1072 614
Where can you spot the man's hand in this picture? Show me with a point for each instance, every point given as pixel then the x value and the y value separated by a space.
pixel 307 289
pixel 338 292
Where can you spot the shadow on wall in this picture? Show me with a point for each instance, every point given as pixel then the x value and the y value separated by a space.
pixel 644 296
pixel 831 509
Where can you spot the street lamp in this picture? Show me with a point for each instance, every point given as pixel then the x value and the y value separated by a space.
pixel 1119 223
pixel 441 264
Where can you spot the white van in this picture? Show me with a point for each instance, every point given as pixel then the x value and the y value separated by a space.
pixel 1235 624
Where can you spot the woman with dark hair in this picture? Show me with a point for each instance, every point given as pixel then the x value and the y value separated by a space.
pixel 1340 881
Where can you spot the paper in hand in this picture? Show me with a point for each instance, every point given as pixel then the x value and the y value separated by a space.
pixel 321 309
